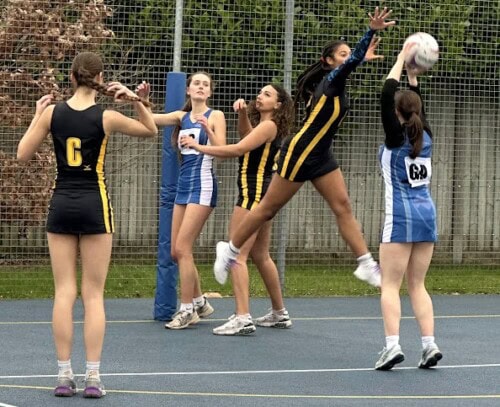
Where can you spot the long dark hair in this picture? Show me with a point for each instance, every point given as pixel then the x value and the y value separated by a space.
pixel 409 106
pixel 188 106
pixel 283 117
pixel 86 66
pixel 311 77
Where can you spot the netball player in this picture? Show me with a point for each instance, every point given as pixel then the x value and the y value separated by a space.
pixel 306 156
pixel 409 231
pixel 80 215
pixel 262 126
pixel 196 189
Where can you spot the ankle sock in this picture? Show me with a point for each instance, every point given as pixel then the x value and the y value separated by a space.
pixel 186 307
pixel 426 341
pixel 92 368
pixel 65 368
pixel 391 341
pixel 365 258
pixel 233 248
pixel 199 301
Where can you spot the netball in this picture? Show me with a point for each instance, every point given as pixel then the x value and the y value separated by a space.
pixel 424 53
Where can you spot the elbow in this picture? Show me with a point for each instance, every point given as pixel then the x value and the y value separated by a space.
pixel 239 152
pixel 22 155
pixel 22 158
pixel 152 132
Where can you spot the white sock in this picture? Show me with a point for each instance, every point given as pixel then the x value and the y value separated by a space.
pixel 92 367
pixel 279 311
pixel 391 341
pixel 426 341
pixel 365 258
pixel 65 368
pixel 199 301
pixel 233 249
pixel 186 307
pixel 248 317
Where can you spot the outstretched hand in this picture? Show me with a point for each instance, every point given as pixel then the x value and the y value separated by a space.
pixel 370 53
pixel 377 20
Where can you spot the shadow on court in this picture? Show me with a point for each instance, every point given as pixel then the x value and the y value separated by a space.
pixel 325 359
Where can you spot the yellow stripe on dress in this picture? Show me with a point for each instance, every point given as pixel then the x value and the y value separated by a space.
pixel 296 138
pixel 317 138
pixel 260 175
pixel 106 207
pixel 244 180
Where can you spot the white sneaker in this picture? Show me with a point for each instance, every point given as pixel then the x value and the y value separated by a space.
pixel 389 358
pixel 182 319
pixel 273 320
pixel 235 325
pixel 204 310
pixel 369 272
pixel 431 355
pixel 223 262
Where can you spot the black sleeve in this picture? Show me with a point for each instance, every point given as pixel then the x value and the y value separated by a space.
pixel 394 132
pixel 336 78
pixel 427 128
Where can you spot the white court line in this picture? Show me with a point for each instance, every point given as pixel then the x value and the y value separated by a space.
pixel 282 396
pixel 6 405
pixel 258 372
pixel 150 321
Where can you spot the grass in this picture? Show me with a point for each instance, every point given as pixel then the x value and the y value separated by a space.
pixel 140 282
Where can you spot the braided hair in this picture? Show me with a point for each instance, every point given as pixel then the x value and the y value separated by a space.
pixel 86 66
pixel 312 76
pixel 409 105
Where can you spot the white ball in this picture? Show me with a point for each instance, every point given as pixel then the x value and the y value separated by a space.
pixel 424 53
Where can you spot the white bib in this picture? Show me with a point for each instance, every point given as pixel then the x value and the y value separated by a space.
pixel 193 133
pixel 418 170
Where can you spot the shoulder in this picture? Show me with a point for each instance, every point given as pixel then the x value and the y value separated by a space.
pixel 266 129
pixel 267 125
pixel 217 114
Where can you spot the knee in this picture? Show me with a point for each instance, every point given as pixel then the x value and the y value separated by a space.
pixel 181 252
pixel 173 254
pixel 260 257
pixel 342 206
pixel 268 212
pixel 66 294
pixel 414 285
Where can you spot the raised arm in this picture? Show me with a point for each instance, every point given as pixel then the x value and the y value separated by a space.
pixel 413 85
pixel 116 122
pixel 377 22
pixel 263 133
pixel 37 131
pixel 244 125
pixel 394 136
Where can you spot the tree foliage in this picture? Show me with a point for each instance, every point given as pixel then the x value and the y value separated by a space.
pixel 38 40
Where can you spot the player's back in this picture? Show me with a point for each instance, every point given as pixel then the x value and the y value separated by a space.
pixel 79 145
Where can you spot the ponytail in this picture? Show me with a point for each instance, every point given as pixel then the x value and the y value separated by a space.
pixel 409 105
pixel 415 131
pixel 312 76
pixel 86 66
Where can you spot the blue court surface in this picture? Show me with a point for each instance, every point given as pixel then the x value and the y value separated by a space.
pixel 325 359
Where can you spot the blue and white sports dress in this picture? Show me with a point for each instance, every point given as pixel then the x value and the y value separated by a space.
pixel 410 213
pixel 197 183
